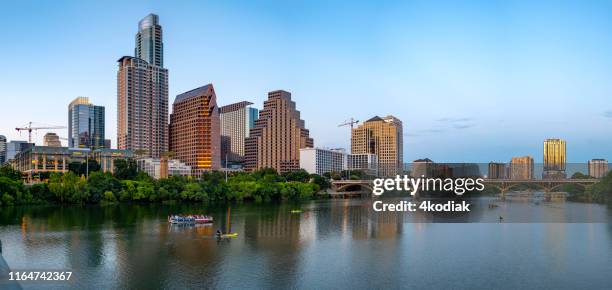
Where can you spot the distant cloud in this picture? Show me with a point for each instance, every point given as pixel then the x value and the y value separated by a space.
pixel 454 120
pixel 445 124
pixel 463 126
pixel 608 114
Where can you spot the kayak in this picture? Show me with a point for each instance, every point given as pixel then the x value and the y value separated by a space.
pixel 232 235
pixel 296 211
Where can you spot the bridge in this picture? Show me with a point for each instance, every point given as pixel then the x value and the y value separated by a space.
pixel 351 188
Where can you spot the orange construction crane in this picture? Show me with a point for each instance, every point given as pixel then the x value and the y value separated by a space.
pixel 29 128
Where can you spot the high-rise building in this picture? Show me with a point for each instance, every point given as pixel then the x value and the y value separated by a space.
pixel 14 147
pixel 236 122
pixel 194 129
pixel 554 159
pixel 521 168
pixel 149 44
pixel 85 124
pixel 51 140
pixel 142 94
pixel 278 134
pixel 2 149
pixel 497 170
pixel 383 137
pixel 598 168
pixel 320 161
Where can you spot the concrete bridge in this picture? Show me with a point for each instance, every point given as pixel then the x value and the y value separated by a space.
pixel 546 185
pixel 348 188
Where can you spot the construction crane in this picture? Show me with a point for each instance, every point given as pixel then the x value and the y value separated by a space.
pixel 29 128
pixel 350 122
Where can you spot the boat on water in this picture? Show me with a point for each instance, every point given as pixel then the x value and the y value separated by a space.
pixel 221 235
pixel 296 211
pixel 190 219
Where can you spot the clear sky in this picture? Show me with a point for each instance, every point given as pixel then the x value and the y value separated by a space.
pixel 472 81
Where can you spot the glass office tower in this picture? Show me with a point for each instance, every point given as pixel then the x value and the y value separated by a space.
pixel 85 124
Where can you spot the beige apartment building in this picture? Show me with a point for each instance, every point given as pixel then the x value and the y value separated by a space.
pixel 278 135
pixel 383 137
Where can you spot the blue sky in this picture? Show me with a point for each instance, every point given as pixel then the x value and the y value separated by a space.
pixel 472 81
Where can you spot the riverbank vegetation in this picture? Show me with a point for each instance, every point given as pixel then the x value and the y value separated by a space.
pixel 130 185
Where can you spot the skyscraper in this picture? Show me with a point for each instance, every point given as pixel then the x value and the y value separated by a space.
pixel 383 137
pixel 86 124
pixel 194 129
pixel 236 122
pixel 554 159
pixel 149 44
pixel 278 134
pixel 142 93
pixel 2 149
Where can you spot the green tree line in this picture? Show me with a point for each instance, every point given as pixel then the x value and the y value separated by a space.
pixel 130 185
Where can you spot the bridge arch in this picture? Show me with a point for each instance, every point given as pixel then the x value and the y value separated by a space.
pixel 346 186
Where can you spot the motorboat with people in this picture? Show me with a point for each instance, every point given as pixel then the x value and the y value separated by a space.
pixel 190 219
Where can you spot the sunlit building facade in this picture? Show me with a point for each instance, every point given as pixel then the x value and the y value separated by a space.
pixel 278 135
pixel 521 168
pixel 195 129
pixel 554 159
pixel 383 137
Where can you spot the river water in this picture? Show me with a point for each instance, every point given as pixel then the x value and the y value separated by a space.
pixel 330 244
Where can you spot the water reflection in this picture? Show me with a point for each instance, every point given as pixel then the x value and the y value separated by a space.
pixel 337 243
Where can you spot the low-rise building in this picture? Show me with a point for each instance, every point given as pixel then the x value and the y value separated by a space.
pixel 41 159
pixel 320 161
pixel 107 157
pixel 154 167
pixel 367 162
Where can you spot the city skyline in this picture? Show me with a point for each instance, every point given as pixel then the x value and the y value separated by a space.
pixel 473 108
